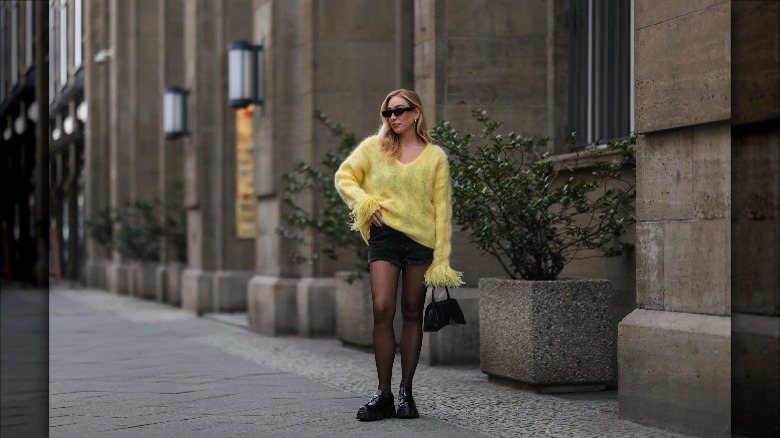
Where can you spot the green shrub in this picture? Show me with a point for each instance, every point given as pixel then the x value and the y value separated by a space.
pixel 522 207
pixel 101 227
pixel 139 233
pixel 331 220
pixel 135 228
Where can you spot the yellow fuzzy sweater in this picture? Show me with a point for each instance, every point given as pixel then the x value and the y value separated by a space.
pixel 413 198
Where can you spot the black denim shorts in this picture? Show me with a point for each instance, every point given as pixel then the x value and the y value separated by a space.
pixel 387 244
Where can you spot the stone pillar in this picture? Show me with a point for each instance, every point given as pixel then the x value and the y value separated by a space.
pixel 755 221
pixel 170 22
pixel 121 129
pixel 71 192
pixel 41 216
pixel 134 121
pixel 461 64
pixel 96 134
pixel 340 57
pixel 674 350
pixel 219 264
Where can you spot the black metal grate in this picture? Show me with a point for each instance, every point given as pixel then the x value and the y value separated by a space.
pixel 599 70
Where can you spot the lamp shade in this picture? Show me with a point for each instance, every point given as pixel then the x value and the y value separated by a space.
pixel 175 117
pixel 20 124
pixel 245 74
pixel 67 125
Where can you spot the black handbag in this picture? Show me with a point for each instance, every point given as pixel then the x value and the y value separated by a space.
pixel 439 314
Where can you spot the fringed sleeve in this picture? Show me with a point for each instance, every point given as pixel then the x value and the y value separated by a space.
pixel 348 179
pixel 440 273
pixel 443 275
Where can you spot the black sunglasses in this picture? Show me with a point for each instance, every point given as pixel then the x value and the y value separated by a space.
pixel 396 111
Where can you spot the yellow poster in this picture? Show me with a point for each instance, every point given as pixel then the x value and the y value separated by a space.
pixel 246 210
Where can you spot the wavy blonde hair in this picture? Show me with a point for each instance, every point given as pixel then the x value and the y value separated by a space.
pixel 391 144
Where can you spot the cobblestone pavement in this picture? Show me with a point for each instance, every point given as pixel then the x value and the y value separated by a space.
pixel 120 366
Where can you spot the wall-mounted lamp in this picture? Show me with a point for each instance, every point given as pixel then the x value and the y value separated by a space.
pixel 176 121
pixel 82 111
pixel 20 124
pixel 245 71
pixel 32 112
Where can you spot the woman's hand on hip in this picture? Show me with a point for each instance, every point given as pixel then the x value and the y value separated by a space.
pixel 376 219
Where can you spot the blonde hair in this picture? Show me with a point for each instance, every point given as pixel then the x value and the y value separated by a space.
pixel 391 144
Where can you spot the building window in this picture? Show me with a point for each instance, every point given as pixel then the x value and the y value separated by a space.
pixel 78 33
pixel 600 70
pixel 3 33
pixel 53 54
pixel 28 34
pixel 14 76
pixel 63 42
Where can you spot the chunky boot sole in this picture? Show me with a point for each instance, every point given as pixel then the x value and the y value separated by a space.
pixel 407 413
pixel 373 415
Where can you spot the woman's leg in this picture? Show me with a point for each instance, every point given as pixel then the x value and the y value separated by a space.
pixel 384 283
pixel 412 301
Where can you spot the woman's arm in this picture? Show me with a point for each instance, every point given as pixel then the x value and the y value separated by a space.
pixel 349 179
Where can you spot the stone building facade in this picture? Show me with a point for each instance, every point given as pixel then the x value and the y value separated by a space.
pixel 696 302
pixel 24 157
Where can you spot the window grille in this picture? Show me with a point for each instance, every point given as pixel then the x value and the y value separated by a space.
pixel 63 42
pixel 600 70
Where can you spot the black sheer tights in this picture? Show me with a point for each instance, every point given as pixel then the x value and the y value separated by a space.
pixel 384 283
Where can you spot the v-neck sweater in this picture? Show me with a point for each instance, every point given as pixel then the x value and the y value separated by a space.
pixel 413 198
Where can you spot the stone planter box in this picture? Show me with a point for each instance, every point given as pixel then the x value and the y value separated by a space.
pixel 455 344
pixel 316 307
pixel 355 315
pixel 555 336
pixel 169 283
pixel 290 306
pixel 143 278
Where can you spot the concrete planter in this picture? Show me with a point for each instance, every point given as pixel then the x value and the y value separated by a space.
pixel 144 280
pixel 552 335
pixel 355 315
pixel 455 344
pixel 316 307
pixel 172 283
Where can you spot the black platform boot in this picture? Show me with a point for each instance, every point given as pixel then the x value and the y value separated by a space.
pixel 380 406
pixel 406 406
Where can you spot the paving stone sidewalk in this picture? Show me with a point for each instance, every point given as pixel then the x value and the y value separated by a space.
pixel 125 367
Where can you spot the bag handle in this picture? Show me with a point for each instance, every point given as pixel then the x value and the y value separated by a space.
pixel 433 296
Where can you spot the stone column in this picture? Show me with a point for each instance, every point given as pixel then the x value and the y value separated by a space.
pixel 674 350
pixel 41 216
pixel 134 122
pixel 96 137
pixel 121 129
pixel 170 21
pixel 340 57
pixel 219 264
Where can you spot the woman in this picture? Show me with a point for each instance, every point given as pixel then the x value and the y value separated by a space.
pixel 397 185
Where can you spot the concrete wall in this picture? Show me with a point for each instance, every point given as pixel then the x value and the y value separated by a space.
pixel 683 253
pixel 514 67
pixel 339 57
pixel 707 208
pixel 96 135
pixel 219 264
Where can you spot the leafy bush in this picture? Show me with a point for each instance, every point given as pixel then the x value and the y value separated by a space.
pixel 174 216
pixel 139 233
pixel 135 228
pixel 528 211
pixel 101 227
pixel 330 221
